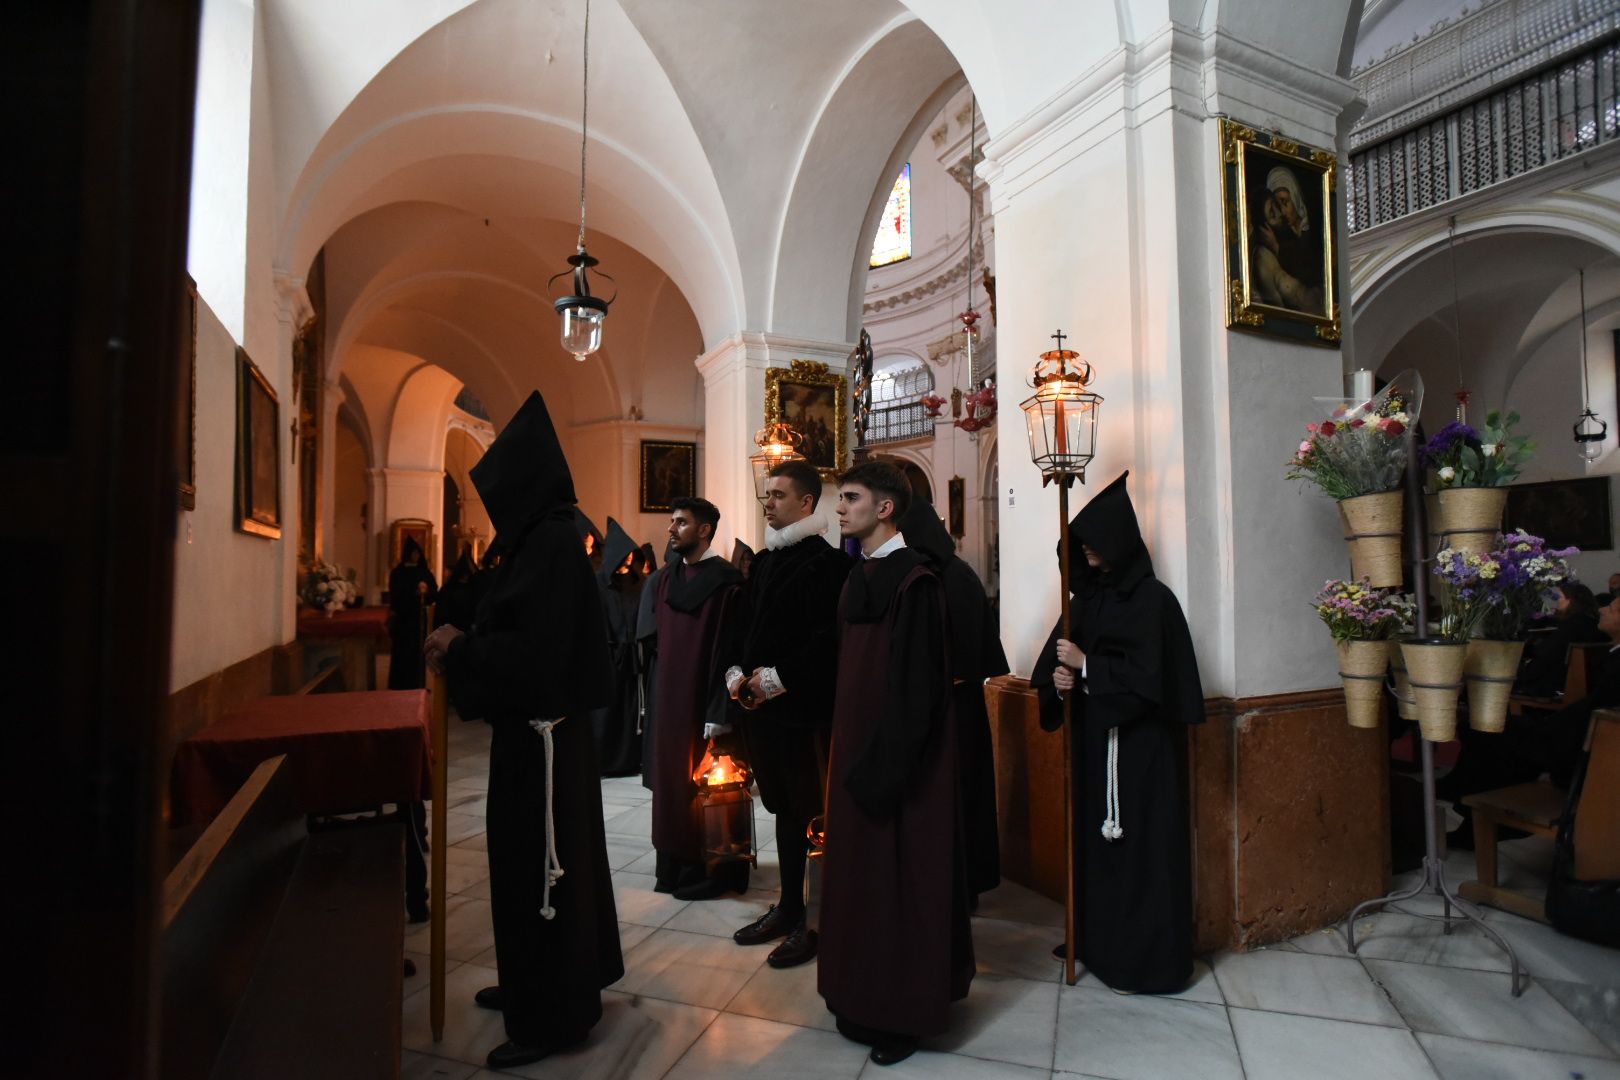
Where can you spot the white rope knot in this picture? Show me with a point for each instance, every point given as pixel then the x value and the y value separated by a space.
pixel 554 870
pixel 1111 830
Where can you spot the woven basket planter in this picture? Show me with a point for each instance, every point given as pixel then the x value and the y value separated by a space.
pixel 1361 668
pixel 1435 669
pixel 1470 518
pixel 1372 529
pixel 1491 668
pixel 1404 703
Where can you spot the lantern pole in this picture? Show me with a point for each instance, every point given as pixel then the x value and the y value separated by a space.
pixel 1070 906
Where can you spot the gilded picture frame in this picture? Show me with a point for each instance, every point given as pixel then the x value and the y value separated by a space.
pixel 668 472
pixel 1281 236
pixel 402 529
pixel 258 451
pixel 814 401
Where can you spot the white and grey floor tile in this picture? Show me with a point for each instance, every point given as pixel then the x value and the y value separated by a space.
pixel 1011 1020
pixel 1281 1046
pixel 693 968
pixel 1101 1033
pixel 1327 986
pixel 1463 1059
pixel 749 1046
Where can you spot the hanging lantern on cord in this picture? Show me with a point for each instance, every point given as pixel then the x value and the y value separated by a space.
pixel 582 313
pixel 778 443
pixel 1590 432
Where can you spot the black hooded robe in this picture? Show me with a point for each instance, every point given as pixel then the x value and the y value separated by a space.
pixel 976 655
pixel 538 651
pixel 456 604
pixel 647 660
pixel 618 725
pixel 1134 894
pixel 406 670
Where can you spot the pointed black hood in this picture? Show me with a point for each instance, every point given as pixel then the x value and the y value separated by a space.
pixel 585 527
pixel 1107 525
pixel 465 568
pixel 615 549
pixel 524 474
pixel 411 546
pixel 926 534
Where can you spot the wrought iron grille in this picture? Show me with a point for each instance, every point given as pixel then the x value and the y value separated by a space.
pixel 1543 118
pixel 896 423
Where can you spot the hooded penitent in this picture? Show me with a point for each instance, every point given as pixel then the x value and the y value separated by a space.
pixel 456 599
pixel 618 724
pixel 410 588
pixel 1138 691
pixel 538 652
pixel 976 655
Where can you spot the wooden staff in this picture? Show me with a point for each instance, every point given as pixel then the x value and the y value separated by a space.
pixel 439 704
pixel 1069 900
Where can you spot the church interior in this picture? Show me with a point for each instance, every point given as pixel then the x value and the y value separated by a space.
pixel 299 264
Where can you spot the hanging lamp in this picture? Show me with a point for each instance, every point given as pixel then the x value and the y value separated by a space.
pixel 1590 432
pixel 1463 392
pixel 582 314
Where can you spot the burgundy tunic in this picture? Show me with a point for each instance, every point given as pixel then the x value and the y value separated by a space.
pixel 686 689
pixel 896 947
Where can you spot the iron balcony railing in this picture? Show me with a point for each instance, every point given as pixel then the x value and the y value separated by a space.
pixel 1543 118
pixel 896 423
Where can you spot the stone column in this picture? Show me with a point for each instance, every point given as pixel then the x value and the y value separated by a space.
pixel 293 310
pixel 734 410
pixel 332 398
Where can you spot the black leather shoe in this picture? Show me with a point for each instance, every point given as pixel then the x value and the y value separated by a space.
pixel 799 948
pixel 768 927
pixel 509 1055
pixel 488 998
pixel 894 1049
pixel 707 889
pixel 854 1032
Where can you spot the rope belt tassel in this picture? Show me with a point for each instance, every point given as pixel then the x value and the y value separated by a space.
pixel 1110 827
pixel 554 870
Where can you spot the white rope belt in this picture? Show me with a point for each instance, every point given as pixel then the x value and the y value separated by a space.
pixel 1110 827
pixel 554 870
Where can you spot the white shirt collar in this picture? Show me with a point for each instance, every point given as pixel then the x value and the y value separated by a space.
pixel 803 529
pixel 890 546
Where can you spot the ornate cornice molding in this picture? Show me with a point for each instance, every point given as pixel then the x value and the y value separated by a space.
pixel 953 274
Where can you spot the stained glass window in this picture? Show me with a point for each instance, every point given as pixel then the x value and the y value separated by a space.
pixel 893 240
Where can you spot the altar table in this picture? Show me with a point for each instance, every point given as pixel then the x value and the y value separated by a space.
pixel 355 633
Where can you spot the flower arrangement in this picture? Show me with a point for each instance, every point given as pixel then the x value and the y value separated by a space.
pixel 1469 587
pixel 1359 450
pixel 1355 611
pixel 979 409
pixel 1527 572
pixel 1463 457
pixel 933 403
pixel 327 588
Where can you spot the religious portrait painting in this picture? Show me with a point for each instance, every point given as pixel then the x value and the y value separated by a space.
pixel 1280 236
pixel 812 400
pixel 258 451
pixel 668 472
pixel 1565 513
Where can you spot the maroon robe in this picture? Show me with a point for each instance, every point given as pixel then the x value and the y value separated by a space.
pixel 896 947
pixel 696 609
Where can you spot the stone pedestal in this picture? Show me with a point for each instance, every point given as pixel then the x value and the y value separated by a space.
pixel 1289 805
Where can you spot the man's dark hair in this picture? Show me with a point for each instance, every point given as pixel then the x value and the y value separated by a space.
pixel 703 510
pixel 885 481
pixel 1581 601
pixel 804 477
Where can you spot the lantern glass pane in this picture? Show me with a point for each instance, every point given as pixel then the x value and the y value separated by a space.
pixel 582 330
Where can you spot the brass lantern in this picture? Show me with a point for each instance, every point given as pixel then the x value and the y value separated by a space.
pixel 777 443
pixel 1062 415
pixel 725 808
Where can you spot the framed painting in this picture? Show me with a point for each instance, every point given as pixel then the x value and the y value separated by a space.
pixel 1565 513
pixel 1279 225
pixel 418 529
pixel 957 498
pixel 186 429
pixel 258 451
pixel 668 472
pixel 813 401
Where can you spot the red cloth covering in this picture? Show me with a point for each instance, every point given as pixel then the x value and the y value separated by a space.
pixel 345 752
pixel 350 622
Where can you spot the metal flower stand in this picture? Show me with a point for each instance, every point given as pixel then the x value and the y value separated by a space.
pixel 1434 870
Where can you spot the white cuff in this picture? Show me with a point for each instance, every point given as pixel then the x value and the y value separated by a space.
pixel 734 676
pixel 771 682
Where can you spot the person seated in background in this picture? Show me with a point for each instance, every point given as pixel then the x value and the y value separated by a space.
pixel 1546 654
pixel 1614 590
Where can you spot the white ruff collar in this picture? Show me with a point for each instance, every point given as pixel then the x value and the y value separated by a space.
pixel 803 529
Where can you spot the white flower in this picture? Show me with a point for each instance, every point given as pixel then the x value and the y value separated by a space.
pixel 1488 449
pixel 1448 474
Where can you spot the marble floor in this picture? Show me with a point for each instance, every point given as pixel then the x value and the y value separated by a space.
pixel 1416 1003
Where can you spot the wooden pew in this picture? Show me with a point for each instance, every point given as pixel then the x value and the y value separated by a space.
pixel 281 951
pixel 1582 658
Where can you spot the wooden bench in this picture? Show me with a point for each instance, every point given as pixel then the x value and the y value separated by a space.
pixel 1582 658
pixel 1538 808
pixel 281 951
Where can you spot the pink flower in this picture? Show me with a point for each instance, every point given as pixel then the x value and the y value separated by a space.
pixel 1358 422
pixel 1304 448
pixel 1311 428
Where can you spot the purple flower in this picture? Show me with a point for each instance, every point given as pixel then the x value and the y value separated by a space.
pixel 1450 439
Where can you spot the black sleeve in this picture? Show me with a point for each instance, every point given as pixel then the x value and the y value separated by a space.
pixel 918 686
pixel 812 657
pixel 728 634
pixel 1040 680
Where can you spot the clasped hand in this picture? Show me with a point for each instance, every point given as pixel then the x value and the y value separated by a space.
pixel 1070 660
pixel 436 648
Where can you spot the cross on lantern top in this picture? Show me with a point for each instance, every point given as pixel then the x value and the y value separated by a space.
pixel 1058 337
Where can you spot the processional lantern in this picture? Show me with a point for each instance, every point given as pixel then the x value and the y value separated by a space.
pixel 1062 419
pixel 1062 416
pixel 725 807
pixel 582 313
pixel 778 443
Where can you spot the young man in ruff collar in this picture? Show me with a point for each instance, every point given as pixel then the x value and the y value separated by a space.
pixel 784 680
pixel 896 947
